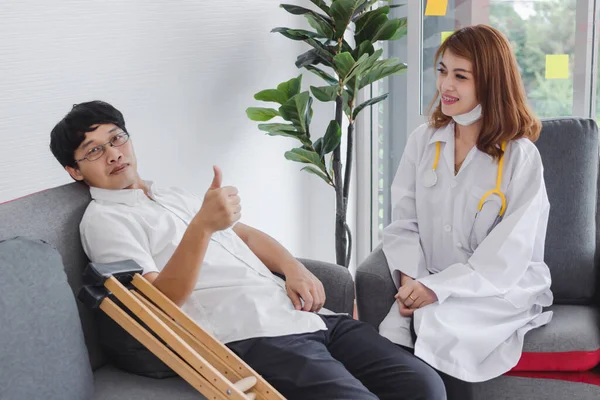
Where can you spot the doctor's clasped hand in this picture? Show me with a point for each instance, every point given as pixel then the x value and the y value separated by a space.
pixel 413 295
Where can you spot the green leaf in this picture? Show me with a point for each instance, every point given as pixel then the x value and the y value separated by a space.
pixel 308 115
pixel 313 57
pixel 367 62
pixel 295 109
pixel 326 53
pixel 343 64
pixel 370 28
pixel 272 95
pixel 277 127
pixel 346 103
pixel 367 103
pixel 321 4
pixel 323 27
pixel 261 114
pixel 286 130
pixel 363 8
pixel 297 10
pixel 322 23
pixel 315 171
pixel 367 17
pixel 366 47
pixel 346 47
pixel 380 70
pixel 290 88
pixel 296 34
pixel 318 146
pixel 352 87
pixel 332 137
pixel 388 30
pixel 302 138
pixel 341 11
pixel 402 30
pixel 358 66
pixel 305 156
pixel 324 93
pixel 328 78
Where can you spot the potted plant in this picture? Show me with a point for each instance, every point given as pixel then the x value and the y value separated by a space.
pixel 343 53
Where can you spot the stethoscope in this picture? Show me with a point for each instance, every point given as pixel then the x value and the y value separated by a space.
pixel 430 179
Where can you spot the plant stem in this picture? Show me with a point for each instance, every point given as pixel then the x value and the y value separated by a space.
pixel 349 253
pixel 349 159
pixel 347 176
pixel 340 214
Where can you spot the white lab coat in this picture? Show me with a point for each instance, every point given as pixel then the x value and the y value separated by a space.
pixel 490 287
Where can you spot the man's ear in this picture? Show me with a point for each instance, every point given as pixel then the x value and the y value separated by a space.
pixel 75 173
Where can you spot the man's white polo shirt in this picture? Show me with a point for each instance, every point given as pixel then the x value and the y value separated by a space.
pixel 236 296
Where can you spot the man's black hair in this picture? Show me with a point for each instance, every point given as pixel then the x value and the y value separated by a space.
pixel 70 132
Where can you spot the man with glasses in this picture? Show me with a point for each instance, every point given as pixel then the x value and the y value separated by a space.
pixel 220 272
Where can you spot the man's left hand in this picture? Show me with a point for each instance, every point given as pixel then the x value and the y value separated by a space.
pixel 301 283
pixel 415 295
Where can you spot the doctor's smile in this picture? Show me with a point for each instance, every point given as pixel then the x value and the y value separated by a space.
pixel 449 100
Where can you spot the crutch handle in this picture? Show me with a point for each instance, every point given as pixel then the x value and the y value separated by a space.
pixel 97 273
pixel 92 296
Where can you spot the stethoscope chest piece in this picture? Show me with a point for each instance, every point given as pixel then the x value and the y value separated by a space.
pixel 429 178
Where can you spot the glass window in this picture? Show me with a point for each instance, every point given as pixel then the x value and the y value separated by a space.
pixel 538 29
pixel 597 116
pixel 388 127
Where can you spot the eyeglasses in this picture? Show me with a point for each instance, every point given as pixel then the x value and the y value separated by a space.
pixel 95 153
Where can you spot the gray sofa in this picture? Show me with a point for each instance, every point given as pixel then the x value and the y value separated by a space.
pixel 569 149
pixel 49 347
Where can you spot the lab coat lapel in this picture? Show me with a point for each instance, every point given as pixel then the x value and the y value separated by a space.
pixel 448 137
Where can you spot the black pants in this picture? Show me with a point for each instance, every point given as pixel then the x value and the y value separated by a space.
pixel 348 361
pixel 456 389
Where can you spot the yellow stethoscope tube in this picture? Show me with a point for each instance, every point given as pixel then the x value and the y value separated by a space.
pixel 496 190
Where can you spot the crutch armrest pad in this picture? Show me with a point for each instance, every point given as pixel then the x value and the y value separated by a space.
pixel 97 273
pixel 92 296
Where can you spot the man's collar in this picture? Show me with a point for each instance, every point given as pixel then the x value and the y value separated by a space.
pixel 129 197
pixel 444 134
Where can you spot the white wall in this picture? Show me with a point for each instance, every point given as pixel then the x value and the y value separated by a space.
pixel 183 73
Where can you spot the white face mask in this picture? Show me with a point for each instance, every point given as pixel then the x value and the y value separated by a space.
pixel 469 118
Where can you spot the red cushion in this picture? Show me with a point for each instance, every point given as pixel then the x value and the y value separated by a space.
pixel 567 361
pixel 590 377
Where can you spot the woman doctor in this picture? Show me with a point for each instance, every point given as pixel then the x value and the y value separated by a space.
pixel 469 213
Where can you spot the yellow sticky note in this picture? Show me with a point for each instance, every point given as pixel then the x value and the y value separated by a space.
pixel 445 35
pixel 557 66
pixel 436 8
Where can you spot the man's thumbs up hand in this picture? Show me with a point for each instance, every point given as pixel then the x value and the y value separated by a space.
pixel 218 178
pixel 221 207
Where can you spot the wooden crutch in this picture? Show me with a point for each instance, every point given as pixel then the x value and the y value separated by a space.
pixel 195 355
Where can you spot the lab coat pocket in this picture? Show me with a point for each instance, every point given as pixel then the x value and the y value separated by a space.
pixel 479 223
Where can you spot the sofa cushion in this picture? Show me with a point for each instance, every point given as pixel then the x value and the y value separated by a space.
pixel 54 216
pixel 126 352
pixel 43 352
pixel 531 388
pixel 569 150
pixel 114 384
pixel 570 342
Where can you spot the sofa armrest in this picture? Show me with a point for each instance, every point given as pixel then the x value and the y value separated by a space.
pixel 338 283
pixel 375 288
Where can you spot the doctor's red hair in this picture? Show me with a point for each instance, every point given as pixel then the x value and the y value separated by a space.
pixel 498 86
